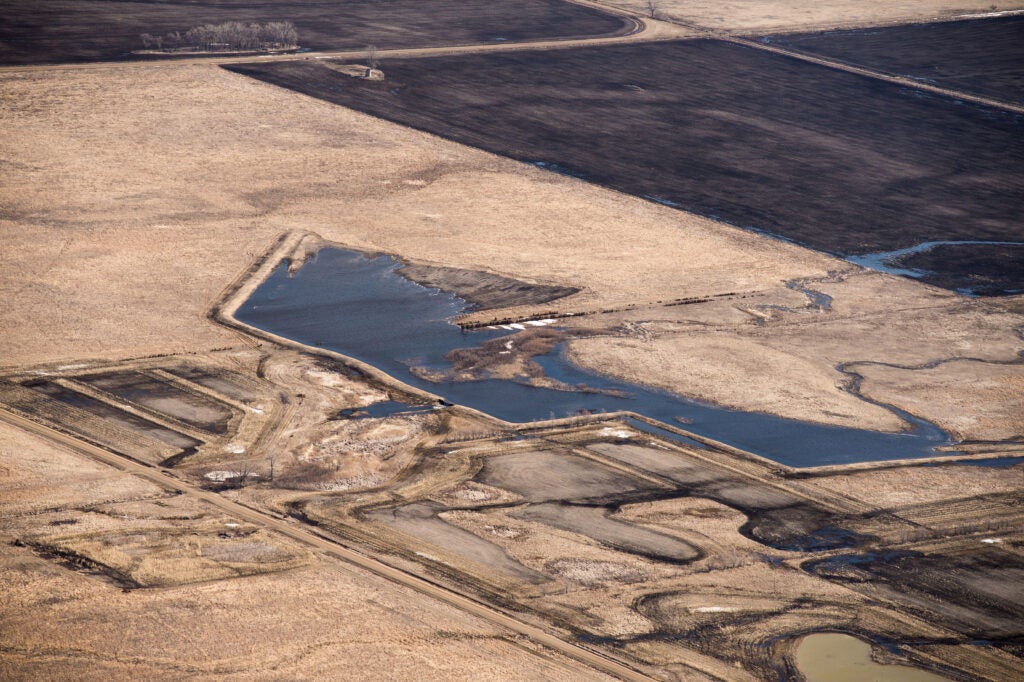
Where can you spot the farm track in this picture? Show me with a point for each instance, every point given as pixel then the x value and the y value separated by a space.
pixel 337 551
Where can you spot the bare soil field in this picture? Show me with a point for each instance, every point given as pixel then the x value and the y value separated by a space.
pixel 55 31
pixel 981 57
pixel 750 16
pixel 834 161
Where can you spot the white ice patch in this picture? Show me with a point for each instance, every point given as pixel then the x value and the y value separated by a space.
pixel 221 476
pixel 427 556
pixel 235 449
pixel 617 433
pixel 713 609
pixel 991 541
pixel 508 344
pixel 516 325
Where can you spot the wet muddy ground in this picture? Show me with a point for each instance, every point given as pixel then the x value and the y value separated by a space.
pixel 981 57
pixel 577 493
pixel 193 409
pixel 979 592
pixel 835 161
pixel 48 31
pixel 108 412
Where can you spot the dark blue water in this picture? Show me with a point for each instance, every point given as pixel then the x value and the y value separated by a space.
pixel 358 306
pixel 385 408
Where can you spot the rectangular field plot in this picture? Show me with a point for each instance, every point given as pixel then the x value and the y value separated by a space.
pixel 48 31
pixel 96 421
pixel 195 410
pixel 980 57
pixel 842 163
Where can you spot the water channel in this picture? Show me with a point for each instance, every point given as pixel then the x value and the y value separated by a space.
pixel 359 306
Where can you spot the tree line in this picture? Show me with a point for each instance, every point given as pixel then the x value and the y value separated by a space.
pixel 230 36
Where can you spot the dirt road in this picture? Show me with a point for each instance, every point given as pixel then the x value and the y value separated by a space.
pixel 898 80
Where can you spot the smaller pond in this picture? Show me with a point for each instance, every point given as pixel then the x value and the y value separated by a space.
pixel 385 408
pixel 835 657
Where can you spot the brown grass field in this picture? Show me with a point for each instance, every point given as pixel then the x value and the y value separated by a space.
pixel 137 196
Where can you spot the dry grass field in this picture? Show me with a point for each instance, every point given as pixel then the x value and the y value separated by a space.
pixel 137 196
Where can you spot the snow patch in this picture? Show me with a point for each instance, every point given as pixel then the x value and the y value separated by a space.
pixel 221 476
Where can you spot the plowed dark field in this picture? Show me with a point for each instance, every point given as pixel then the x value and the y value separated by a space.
pixel 838 162
pixel 53 31
pixel 982 57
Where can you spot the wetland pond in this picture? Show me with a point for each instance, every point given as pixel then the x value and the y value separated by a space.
pixel 361 307
pixel 835 657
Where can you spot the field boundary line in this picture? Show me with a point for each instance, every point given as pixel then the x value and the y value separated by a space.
pixel 877 75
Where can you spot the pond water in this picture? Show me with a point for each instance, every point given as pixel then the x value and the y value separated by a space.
pixel 360 307
pixel 835 657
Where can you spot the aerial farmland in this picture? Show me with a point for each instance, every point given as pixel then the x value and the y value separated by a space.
pixel 539 339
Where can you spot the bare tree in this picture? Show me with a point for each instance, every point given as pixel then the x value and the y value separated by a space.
pixel 372 58
pixel 653 8
pixel 231 36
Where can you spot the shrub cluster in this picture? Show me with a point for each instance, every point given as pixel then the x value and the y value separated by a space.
pixel 231 36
